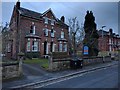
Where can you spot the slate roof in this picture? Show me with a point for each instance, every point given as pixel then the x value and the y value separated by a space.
pixel 30 13
pixel 36 15
pixel 104 32
pixel 61 23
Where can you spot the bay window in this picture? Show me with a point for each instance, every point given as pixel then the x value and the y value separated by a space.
pixel 35 46
pixel 28 46
pixel 60 47
pixel 65 48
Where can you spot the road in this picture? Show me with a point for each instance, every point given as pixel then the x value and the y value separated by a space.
pixel 104 78
pixel 33 73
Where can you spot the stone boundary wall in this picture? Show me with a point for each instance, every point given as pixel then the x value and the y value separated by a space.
pixel 95 60
pixel 11 70
pixel 56 64
pixel 59 61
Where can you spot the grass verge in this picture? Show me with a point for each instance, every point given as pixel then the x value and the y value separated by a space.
pixel 43 62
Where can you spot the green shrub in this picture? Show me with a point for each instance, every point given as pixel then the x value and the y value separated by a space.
pixel 21 54
pixel 60 55
pixel 31 55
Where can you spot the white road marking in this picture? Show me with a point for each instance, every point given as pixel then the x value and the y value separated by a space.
pixel 79 75
pixel 63 78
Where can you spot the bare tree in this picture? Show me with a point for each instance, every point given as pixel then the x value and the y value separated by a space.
pixel 76 34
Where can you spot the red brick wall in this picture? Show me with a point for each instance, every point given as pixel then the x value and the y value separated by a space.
pixel 24 28
pixel 105 42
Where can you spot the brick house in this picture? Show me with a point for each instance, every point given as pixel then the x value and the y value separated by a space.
pixel 109 41
pixel 6 41
pixel 37 34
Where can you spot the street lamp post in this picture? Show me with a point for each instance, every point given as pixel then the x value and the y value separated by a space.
pixel 103 41
pixel 102 36
pixel 102 30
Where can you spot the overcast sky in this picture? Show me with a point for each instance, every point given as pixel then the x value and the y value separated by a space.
pixel 106 13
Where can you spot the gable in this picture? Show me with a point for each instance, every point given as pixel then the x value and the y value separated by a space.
pixel 49 14
pixel 13 17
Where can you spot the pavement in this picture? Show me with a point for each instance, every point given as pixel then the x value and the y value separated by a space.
pixel 34 73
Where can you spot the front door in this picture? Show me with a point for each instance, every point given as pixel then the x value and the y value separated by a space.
pixel 51 47
pixel 45 47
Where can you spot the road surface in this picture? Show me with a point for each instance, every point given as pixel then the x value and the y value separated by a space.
pixel 104 78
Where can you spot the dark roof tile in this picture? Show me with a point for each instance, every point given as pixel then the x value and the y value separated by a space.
pixel 104 32
pixel 36 15
pixel 30 13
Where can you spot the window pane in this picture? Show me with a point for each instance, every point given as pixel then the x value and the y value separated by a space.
pixel 35 46
pixel 9 47
pixel 65 47
pixel 32 30
pixel 62 34
pixel 46 20
pixel 28 46
pixel 60 47
pixel 52 33
pixel 52 22
pixel 46 32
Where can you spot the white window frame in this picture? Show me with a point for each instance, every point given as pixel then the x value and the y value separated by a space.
pixel 52 22
pixel 28 46
pixel 52 33
pixel 60 47
pixel 46 32
pixel 109 41
pixel 28 39
pixel 46 20
pixel 62 34
pixel 35 46
pixel 8 47
pixel 33 29
pixel 65 48
pixel 53 49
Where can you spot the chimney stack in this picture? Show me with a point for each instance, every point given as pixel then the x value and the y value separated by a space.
pixel 111 31
pixel 63 19
pixel 18 4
